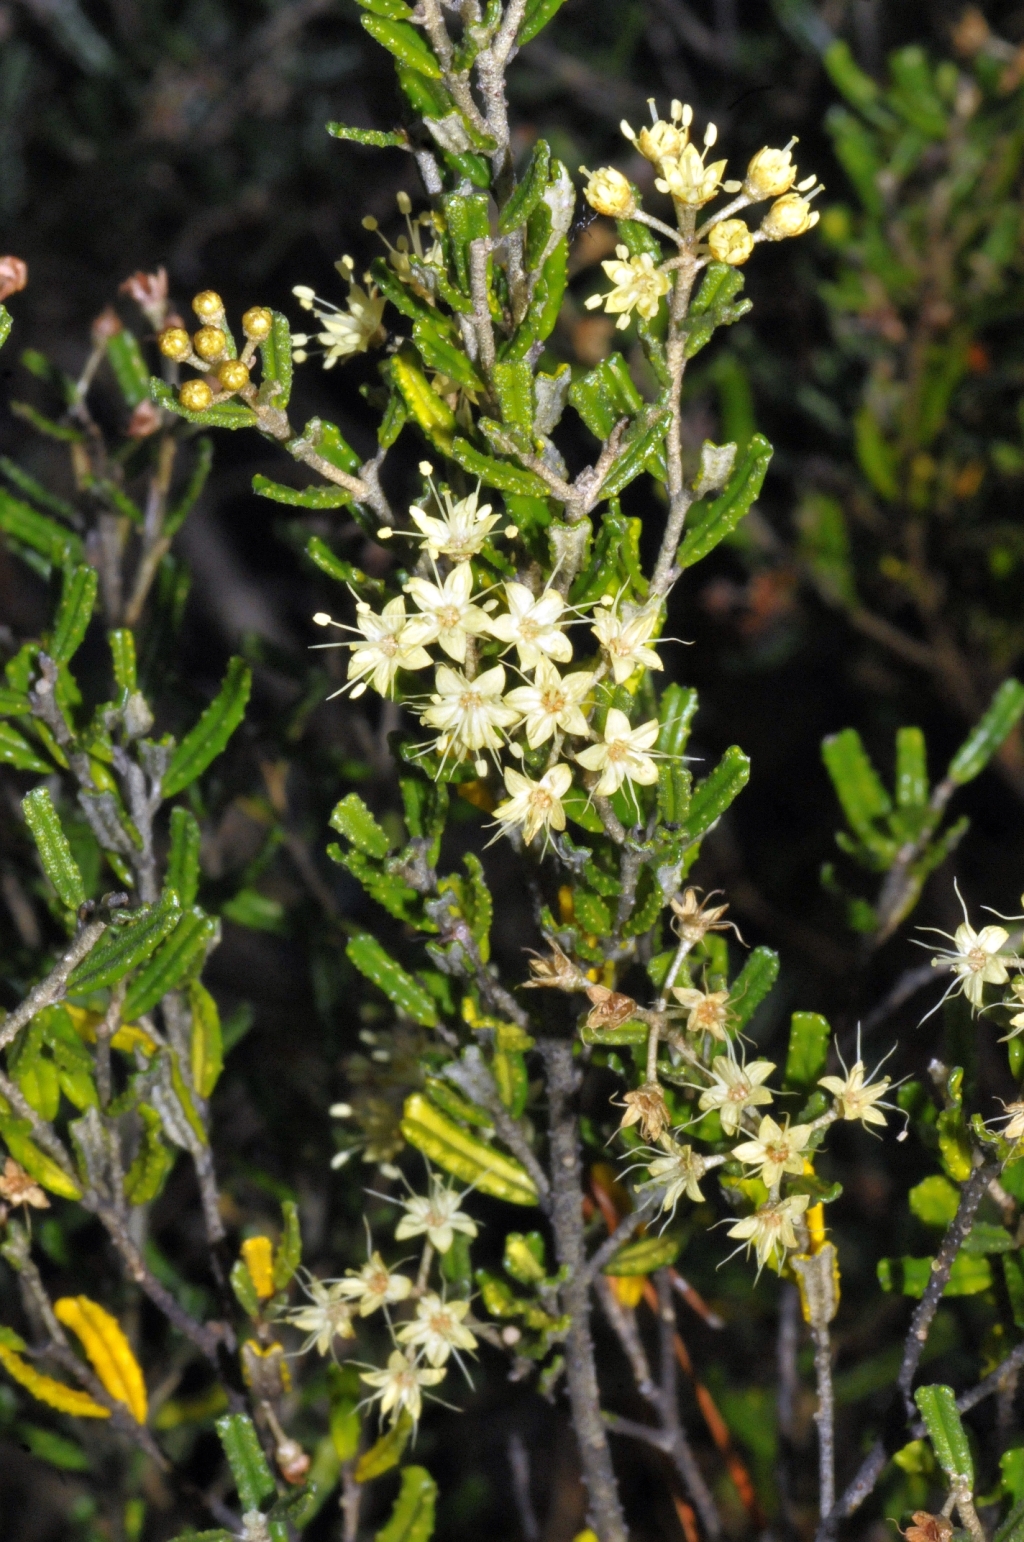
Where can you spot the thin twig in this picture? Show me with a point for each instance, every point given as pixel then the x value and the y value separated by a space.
pixel 54 987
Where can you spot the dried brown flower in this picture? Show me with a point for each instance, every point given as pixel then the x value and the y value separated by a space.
pixel 149 291
pixel 647 1108
pixel 145 420
pixel 107 324
pixel 929 1528
pixel 694 919
pixel 611 1008
pixel 17 1187
pixel 13 276
pixel 557 972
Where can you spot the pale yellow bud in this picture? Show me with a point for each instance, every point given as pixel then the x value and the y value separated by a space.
pixel 257 323
pixel 208 305
pixel 770 174
pixel 209 343
pixel 175 343
pixel 731 242
pixel 609 192
pixel 196 395
pixel 233 374
pixel 789 216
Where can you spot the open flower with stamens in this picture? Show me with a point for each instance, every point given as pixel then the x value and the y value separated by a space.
pixel 462 529
pixel 771 1229
pixel 976 959
pixel 708 1010
pixel 400 1386
pixel 1012 1121
pixel 468 713
pixel 326 1318
pixel 625 640
pixel 374 1285
pixel 436 1216
pixel 686 176
pixel 665 137
pixel 735 1088
pixel 445 614
pixel 437 1329
pixel 1016 1022
pixel 778 1149
pixel 345 332
pixel 552 701
pixel 856 1100
pixel 639 286
pixel 532 625
pixel 535 806
pixel 385 648
pixel 620 754
pixel 680 1172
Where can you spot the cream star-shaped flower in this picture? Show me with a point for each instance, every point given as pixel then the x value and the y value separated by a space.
pixel 461 531
pixel 974 959
pixel 400 1385
pixel 384 649
pixel 625 641
pixel 854 1100
pixel 345 332
pixel 687 178
pixel 681 1172
pixel 620 754
pixel 374 1285
pixel 552 701
pixel 709 1010
pixel 639 286
pixel 535 805
pixel 328 1316
pixel 532 625
pixel 438 1329
pixel 771 1229
pixel 435 1215
pixel 445 613
pixel 735 1088
pixel 469 713
pixel 778 1149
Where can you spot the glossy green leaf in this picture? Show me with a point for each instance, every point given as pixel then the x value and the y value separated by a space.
pixel 16 751
pixel 716 792
pixel 856 782
pixel 153 1160
pixel 909 1276
pixel 946 1432
pixel 806 1057
pixel 494 473
pixel 17 1137
pixel 253 1478
pixel 244 1289
pixel 352 819
pixel 183 858
pixel 750 987
pixel 121 642
pixel 412 1519
pixel 605 394
pixel 934 1200
pixel 6 322
pixel 231 414
pixel 450 1146
pixel 379 139
pixel 445 354
pixel 536 17
pixel 911 768
pixel 987 735
pixel 390 891
pixel 123 948
pixel 366 953
pixel 52 845
pixel 320 496
pixel 130 369
pixel 276 359
pixel 640 441
pixel 206 740
pixel 513 381
pixel 529 192
pixel 711 523
pixel 407 45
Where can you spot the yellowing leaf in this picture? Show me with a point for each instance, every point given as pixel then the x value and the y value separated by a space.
pixel 65 1399
pixel 258 1253
pixel 108 1350
pixel 127 1038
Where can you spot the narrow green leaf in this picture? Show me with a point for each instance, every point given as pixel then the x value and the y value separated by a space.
pixel 711 523
pixel 379 139
pixel 319 496
pixel 38 531
pixel 16 751
pixel 946 1432
pixel 528 194
pixel 444 354
pixel 230 414
pixel 122 948
pixel 605 394
pixel 809 1036
pixel 387 1452
pixel 856 782
pixel 206 1045
pixel 352 819
pixel 536 17
pixel 366 953
pixel 752 985
pixel 513 381
pixel 153 1161
pixel 193 488
pixel 121 642
pixel 52 845
pixel 638 443
pixel 412 1519
pixel 253 1478
pixel 244 1289
pixel 934 1200
pixel 911 768
pixel 130 369
pixel 209 736
pixel 494 473
pixel 713 795
pixel 6 324
pixel 402 40
pixel 77 600
pixel 643 1256
pixel 987 735
pixel 183 859
pixel 181 955
pixel 276 358
pixel 288 1255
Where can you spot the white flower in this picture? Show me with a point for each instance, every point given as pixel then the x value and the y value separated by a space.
pixel 552 701
pixel 663 137
pixel 619 755
pixel 973 959
pixel 385 648
pixel 625 642
pixel 461 531
pixel 709 1010
pixel 535 805
pixel 778 1149
pixel 445 613
pixel 770 173
pixel 639 286
pixel 854 1100
pixel 437 1216
pixel 609 192
pixel 374 1285
pixel 468 713
pixel 438 1329
pixel 736 1088
pixel 345 332
pixel 681 1173
pixel 770 1229
pixel 1013 1122
pixel 400 1385
pixel 328 1317
pixel 532 625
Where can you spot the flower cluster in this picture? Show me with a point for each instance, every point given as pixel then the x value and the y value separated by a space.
pixel 212 350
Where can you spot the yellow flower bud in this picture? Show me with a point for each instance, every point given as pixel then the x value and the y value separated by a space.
pixel 196 395
pixel 609 192
pixel 788 216
pixel 257 322
pixel 175 343
pixel 209 343
pixel 770 174
pixel 731 241
pixel 208 305
pixel 233 374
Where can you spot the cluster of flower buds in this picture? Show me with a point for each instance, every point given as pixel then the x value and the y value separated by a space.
pixel 212 350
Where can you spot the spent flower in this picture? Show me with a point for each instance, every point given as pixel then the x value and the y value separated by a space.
pixel 708 1010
